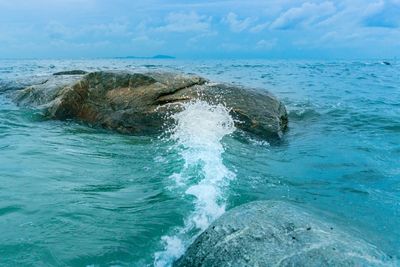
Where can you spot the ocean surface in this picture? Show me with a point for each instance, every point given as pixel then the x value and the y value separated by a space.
pixel 71 195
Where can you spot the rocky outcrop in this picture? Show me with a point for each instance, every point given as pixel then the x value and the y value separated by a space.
pixel 138 102
pixel 274 233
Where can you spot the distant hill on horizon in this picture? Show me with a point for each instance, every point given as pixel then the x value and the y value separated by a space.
pixel 153 57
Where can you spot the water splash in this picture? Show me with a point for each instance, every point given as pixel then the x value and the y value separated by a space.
pixel 198 135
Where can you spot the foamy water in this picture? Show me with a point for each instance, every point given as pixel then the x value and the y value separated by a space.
pixel 198 134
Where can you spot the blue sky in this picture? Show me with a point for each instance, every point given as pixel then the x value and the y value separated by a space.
pixel 200 29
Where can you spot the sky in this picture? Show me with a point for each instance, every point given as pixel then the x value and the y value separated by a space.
pixel 271 29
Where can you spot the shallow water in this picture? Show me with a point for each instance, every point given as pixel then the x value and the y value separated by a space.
pixel 76 196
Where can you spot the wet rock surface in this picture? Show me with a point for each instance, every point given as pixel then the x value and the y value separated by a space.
pixel 274 233
pixel 139 103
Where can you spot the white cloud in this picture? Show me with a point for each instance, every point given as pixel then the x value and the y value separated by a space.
pixel 236 24
pixel 360 26
pixel 353 19
pixel 259 27
pixel 383 14
pixel 304 15
pixel 231 47
pixel 57 30
pixel 144 40
pixel 266 44
pixel 186 22
pixel 198 38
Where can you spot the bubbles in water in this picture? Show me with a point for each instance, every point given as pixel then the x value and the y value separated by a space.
pixel 174 248
pixel 198 133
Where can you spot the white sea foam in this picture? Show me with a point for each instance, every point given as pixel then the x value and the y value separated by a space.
pixel 198 135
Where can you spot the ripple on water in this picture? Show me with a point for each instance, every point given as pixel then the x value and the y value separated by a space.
pixel 10 209
pixel 79 196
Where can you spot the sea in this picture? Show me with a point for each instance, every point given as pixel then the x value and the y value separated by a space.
pixel 74 195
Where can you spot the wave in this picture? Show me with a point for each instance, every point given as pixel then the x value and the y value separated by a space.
pixel 298 111
pixel 303 114
pixel 198 133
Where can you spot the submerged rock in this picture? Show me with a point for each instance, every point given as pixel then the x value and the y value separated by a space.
pixel 139 102
pixel 71 72
pixel 274 233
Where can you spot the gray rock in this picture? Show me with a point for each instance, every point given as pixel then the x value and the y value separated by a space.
pixel 20 83
pixel 274 233
pixel 138 102
pixel 45 91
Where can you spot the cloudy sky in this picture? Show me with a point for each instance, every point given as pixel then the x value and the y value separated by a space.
pixel 336 29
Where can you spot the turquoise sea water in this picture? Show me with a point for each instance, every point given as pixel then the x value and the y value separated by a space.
pixel 71 195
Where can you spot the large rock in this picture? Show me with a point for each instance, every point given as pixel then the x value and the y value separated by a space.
pixel 274 233
pixel 138 102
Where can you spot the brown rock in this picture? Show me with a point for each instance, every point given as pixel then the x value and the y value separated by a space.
pixel 139 102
